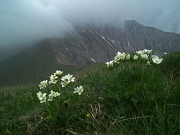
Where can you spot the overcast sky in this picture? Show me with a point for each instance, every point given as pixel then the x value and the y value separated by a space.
pixel 23 21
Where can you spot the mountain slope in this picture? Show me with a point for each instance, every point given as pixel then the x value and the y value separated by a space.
pixel 31 65
pixel 26 63
pixel 7 51
pixel 85 45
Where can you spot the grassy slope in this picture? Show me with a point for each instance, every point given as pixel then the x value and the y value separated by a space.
pixel 137 101
pixel 31 65
pixel 17 68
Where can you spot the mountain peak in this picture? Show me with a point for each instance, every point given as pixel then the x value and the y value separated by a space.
pixel 132 24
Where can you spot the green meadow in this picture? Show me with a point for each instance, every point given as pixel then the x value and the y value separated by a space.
pixel 127 96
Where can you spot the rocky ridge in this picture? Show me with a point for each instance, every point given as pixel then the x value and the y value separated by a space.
pixel 100 44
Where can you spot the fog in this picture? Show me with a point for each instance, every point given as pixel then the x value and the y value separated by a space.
pixel 23 22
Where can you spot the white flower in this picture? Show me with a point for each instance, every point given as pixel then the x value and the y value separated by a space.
pixel 50 97
pixel 140 52
pixel 43 99
pixel 54 81
pixel 58 72
pixel 40 95
pixel 78 90
pixel 110 64
pixel 135 57
pixel 64 78
pixel 116 58
pixel 53 77
pixel 128 56
pixel 67 79
pixel 70 78
pixel 144 56
pixel 43 84
pixel 54 94
pixel 121 55
pixel 147 51
pixel 57 94
pixel 157 60
pixel 64 83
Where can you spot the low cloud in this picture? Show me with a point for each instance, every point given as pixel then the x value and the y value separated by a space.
pixel 27 21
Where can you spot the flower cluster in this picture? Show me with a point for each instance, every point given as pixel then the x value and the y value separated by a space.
pixel 53 94
pixel 67 79
pixel 110 64
pixel 43 96
pixel 53 80
pixel 54 77
pixel 144 55
pixel 43 84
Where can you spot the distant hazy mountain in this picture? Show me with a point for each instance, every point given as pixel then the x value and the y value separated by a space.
pixel 8 51
pixel 85 45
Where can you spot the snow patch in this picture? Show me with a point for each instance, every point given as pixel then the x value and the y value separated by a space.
pixel 90 31
pixel 68 51
pixel 97 33
pixel 106 41
pixel 111 40
pixel 111 45
pixel 103 37
pixel 93 60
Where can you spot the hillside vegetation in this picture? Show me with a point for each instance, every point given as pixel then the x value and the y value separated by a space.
pixel 128 95
pixel 31 65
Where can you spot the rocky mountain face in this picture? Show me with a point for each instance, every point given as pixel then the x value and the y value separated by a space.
pixel 141 37
pixel 100 44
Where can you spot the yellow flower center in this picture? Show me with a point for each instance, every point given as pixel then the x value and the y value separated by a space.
pixel 88 115
pixel 64 82
pixel 80 91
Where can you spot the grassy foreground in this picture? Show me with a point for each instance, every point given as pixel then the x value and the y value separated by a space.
pixel 129 98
